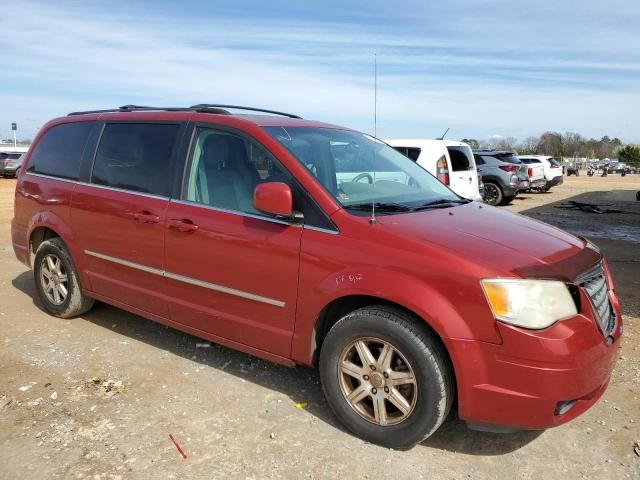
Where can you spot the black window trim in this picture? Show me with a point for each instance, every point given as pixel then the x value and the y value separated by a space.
pixel 185 158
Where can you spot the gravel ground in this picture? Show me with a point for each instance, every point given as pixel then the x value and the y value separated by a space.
pixel 98 396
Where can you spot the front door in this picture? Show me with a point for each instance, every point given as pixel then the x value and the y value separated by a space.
pixel 231 271
pixel 119 217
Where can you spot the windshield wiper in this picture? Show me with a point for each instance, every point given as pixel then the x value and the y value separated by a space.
pixel 380 206
pixel 442 203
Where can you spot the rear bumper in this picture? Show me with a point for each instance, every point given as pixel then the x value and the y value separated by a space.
pixel 8 171
pixel 511 189
pixel 539 183
pixel 521 383
pixel 555 181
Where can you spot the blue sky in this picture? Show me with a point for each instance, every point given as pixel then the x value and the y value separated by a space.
pixel 491 68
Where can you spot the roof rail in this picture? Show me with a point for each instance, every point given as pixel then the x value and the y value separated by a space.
pixel 201 107
pixel 133 108
pixel 205 107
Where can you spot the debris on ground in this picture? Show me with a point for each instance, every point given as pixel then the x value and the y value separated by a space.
pixel 302 405
pixel 636 447
pixel 184 455
pixel 203 345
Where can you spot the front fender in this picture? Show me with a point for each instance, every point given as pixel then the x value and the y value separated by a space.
pixel 410 292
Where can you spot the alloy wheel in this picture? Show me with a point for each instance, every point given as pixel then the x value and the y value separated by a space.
pixel 490 193
pixel 377 381
pixel 54 279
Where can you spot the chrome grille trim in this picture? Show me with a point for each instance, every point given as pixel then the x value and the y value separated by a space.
pixel 594 283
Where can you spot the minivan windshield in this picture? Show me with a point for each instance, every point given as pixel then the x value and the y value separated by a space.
pixel 359 170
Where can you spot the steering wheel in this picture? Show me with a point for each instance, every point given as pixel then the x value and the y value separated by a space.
pixel 361 176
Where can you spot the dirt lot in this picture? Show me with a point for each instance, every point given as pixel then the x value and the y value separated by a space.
pixel 236 417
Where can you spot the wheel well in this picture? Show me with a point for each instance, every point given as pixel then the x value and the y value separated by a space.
pixel 39 235
pixel 340 307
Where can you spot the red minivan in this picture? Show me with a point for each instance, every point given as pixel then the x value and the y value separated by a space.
pixel 307 243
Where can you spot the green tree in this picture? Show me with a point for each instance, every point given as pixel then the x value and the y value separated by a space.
pixel 629 154
pixel 472 142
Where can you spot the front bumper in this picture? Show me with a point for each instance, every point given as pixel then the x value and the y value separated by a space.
pixel 520 383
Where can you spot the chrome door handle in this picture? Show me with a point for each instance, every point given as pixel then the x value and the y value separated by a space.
pixel 183 225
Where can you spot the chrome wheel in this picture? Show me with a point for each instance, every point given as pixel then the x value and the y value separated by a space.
pixel 54 279
pixel 377 381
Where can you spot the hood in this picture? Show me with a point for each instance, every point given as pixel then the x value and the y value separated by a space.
pixel 504 242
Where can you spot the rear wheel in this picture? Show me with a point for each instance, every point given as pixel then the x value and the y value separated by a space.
pixel 492 193
pixel 57 281
pixel 386 377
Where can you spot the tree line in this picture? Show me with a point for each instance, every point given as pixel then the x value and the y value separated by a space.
pixel 564 145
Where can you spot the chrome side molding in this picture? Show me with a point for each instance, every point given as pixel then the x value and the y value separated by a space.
pixel 188 280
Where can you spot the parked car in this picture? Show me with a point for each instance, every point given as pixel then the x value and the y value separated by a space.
pixel 239 229
pixel 552 169
pixel 503 175
pixel 451 162
pixel 10 163
pixel 535 172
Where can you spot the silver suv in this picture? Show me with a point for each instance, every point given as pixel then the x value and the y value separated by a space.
pixel 503 175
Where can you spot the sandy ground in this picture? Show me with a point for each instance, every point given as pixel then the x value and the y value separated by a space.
pixel 236 417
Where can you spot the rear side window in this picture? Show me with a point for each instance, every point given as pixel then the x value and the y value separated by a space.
pixel 479 160
pixel 509 158
pixel 553 161
pixel 136 156
pixel 411 152
pixel 59 152
pixel 460 159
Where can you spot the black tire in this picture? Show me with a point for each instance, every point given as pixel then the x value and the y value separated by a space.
pixel 74 303
pixel 428 361
pixel 507 200
pixel 492 193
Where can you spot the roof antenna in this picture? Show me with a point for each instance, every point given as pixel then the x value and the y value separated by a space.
pixel 372 220
pixel 443 135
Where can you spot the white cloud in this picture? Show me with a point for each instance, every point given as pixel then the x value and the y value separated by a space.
pixel 62 59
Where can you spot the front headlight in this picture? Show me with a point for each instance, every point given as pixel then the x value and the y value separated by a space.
pixel 533 304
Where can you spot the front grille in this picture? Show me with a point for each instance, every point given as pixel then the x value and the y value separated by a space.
pixel 594 283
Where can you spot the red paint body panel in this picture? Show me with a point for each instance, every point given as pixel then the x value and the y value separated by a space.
pixel 282 277
pixel 247 254
pixel 111 223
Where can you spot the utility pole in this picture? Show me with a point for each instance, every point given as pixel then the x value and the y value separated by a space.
pixel 14 127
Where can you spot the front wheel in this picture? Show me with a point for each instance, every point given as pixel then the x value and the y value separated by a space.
pixel 386 377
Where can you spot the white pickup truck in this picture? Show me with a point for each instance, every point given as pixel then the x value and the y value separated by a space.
pixel 535 172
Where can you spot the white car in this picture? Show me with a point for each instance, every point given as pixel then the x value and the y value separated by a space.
pixel 451 162
pixel 552 168
pixel 535 172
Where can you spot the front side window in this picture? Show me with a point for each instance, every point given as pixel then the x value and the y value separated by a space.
pixel 224 169
pixel 359 170
pixel 137 157
pixel 59 152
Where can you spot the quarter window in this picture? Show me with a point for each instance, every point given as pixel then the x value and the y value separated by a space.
pixel 59 152
pixel 136 156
